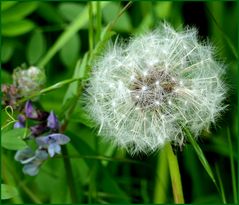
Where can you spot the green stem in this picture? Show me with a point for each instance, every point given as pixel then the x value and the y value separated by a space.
pixel 70 177
pixel 160 194
pixel 234 188
pixel 175 175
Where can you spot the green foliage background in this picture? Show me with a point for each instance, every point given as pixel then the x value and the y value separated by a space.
pixel 64 37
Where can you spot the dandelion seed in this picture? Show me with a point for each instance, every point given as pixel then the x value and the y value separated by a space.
pixel 162 80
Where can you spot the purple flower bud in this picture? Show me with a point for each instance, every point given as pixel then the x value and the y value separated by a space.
pixel 52 142
pixel 52 121
pixel 37 130
pixel 42 115
pixel 21 118
pixel 18 125
pixel 30 110
pixel 21 122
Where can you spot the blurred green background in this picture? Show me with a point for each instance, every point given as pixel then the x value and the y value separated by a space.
pixel 102 173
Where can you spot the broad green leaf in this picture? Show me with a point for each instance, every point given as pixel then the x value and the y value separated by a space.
pixel 111 11
pixel 70 51
pixel 8 192
pixel 17 27
pixel 13 139
pixel 200 155
pixel 70 10
pixel 7 4
pixel 49 13
pixel 7 50
pixel 36 47
pixel 18 11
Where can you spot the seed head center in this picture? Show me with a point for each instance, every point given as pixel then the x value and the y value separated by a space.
pixel 151 90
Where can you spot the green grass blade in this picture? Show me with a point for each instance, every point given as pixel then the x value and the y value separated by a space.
pixel 200 155
pixel 221 185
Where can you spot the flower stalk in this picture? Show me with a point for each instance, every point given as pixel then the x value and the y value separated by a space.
pixel 175 175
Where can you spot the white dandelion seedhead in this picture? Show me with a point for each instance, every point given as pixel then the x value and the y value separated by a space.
pixel 141 94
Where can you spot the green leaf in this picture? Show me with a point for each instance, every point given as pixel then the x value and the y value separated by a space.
pixel 18 11
pixel 73 28
pixel 163 9
pixel 6 77
pixel 70 10
pixel 111 11
pixel 17 28
pixel 8 192
pixel 7 4
pixel 36 47
pixel 7 50
pixel 70 51
pixel 49 13
pixel 200 155
pixel 13 139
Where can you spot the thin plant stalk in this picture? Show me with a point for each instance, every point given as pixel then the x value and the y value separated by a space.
pixel 175 175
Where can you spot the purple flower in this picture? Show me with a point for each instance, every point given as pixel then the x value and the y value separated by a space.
pixel 52 121
pixel 52 142
pixel 18 125
pixel 24 156
pixel 30 111
pixel 21 122
pixel 31 160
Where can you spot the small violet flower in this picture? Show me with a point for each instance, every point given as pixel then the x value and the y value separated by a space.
pixel 52 121
pixel 30 111
pixel 31 160
pixel 52 142
pixel 21 122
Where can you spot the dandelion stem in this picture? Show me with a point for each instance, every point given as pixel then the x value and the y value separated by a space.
pixel 161 185
pixel 175 175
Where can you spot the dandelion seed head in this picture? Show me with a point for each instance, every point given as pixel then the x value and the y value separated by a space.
pixel 140 94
